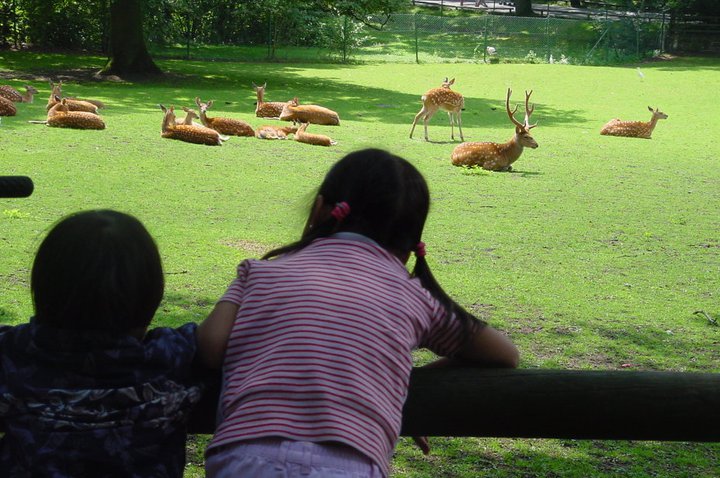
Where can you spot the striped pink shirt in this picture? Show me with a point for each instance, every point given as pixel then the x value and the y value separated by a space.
pixel 321 346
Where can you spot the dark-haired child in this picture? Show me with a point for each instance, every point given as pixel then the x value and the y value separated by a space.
pixel 315 341
pixel 85 389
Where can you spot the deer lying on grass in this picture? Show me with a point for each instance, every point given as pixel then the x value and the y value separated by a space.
pixel 229 126
pixel 315 139
pixel 271 109
pixel 7 107
pixel 56 89
pixel 292 111
pixel 499 156
pixel 274 132
pixel 190 115
pixel 189 133
pixel 74 105
pixel 441 98
pixel 634 129
pixel 15 96
pixel 60 116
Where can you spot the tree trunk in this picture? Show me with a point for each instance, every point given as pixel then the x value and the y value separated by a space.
pixel 523 8
pixel 128 52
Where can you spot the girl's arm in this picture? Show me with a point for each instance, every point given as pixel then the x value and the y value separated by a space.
pixel 213 333
pixel 489 347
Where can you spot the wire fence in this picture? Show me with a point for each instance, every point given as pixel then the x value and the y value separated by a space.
pixel 416 38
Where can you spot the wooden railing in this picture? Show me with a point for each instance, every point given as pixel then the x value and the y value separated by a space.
pixel 537 403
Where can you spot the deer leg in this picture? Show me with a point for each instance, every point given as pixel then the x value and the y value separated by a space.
pixel 417 117
pixel 459 122
pixel 452 125
pixel 425 122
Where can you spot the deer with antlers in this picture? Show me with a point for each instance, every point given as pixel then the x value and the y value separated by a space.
pixel 634 129
pixel 499 156
pixel 442 98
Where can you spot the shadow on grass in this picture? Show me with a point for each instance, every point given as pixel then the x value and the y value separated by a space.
pixel 230 86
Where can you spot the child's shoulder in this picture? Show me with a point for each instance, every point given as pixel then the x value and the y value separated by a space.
pixel 173 343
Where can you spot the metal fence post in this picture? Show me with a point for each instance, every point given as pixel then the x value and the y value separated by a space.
pixel 415 28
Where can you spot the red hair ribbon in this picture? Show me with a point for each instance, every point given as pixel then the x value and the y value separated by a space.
pixel 340 211
pixel 420 249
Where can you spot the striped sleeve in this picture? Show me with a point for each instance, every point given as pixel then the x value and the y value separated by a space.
pixel 448 334
pixel 236 289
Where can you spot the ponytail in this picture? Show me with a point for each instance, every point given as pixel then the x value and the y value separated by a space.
pixel 424 274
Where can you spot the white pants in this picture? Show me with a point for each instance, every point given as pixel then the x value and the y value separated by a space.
pixel 279 458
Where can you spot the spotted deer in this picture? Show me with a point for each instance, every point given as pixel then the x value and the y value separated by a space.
pixel 74 105
pixel 56 89
pixel 297 113
pixel 233 127
pixel 274 132
pixel 10 93
pixel 499 156
pixel 310 138
pixel 190 115
pixel 441 98
pixel 60 116
pixel 634 129
pixel 270 109
pixel 7 107
pixel 189 133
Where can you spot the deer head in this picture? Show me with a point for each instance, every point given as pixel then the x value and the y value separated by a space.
pixel 522 130
pixel 657 114
pixel 203 106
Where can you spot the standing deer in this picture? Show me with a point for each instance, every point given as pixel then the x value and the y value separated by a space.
pixel 188 133
pixel 60 116
pixel 271 109
pixel 441 98
pixel 292 111
pixel 14 95
pixel 634 129
pixel 229 126
pixel 499 156
pixel 310 138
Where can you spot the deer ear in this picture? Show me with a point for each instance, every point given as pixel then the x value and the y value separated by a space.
pixel 650 108
pixel 264 85
pixel 197 100
pixel 452 82
pixel 209 103
pixel 162 107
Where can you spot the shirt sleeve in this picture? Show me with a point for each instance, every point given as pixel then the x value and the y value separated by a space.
pixel 448 334
pixel 236 289
pixel 176 347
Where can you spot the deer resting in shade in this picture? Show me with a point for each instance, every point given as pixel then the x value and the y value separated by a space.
pixel 189 133
pixel 233 127
pixel 7 107
pixel 442 98
pixel 89 106
pixel 15 96
pixel 499 156
pixel 315 114
pixel 634 129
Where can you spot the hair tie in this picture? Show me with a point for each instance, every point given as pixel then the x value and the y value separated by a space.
pixel 340 211
pixel 420 249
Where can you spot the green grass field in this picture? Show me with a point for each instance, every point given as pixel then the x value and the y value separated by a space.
pixel 593 254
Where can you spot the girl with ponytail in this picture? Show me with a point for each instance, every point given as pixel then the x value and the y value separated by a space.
pixel 315 340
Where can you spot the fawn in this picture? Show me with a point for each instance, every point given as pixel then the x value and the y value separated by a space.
pixel 315 139
pixel 60 116
pixel 441 98
pixel 292 111
pixel 189 133
pixel 499 156
pixel 15 96
pixel 274 132
pixel 271 109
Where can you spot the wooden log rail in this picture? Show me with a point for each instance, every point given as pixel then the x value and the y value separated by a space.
pixel 539 403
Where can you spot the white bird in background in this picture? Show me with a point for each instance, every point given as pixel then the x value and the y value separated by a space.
pixel 491 50
pixel 640 74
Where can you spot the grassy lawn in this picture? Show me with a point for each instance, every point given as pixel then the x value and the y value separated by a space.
pixel 593 254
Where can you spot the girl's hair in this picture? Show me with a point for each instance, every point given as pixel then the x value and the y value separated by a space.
pixel 389 201
pixel 97 270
